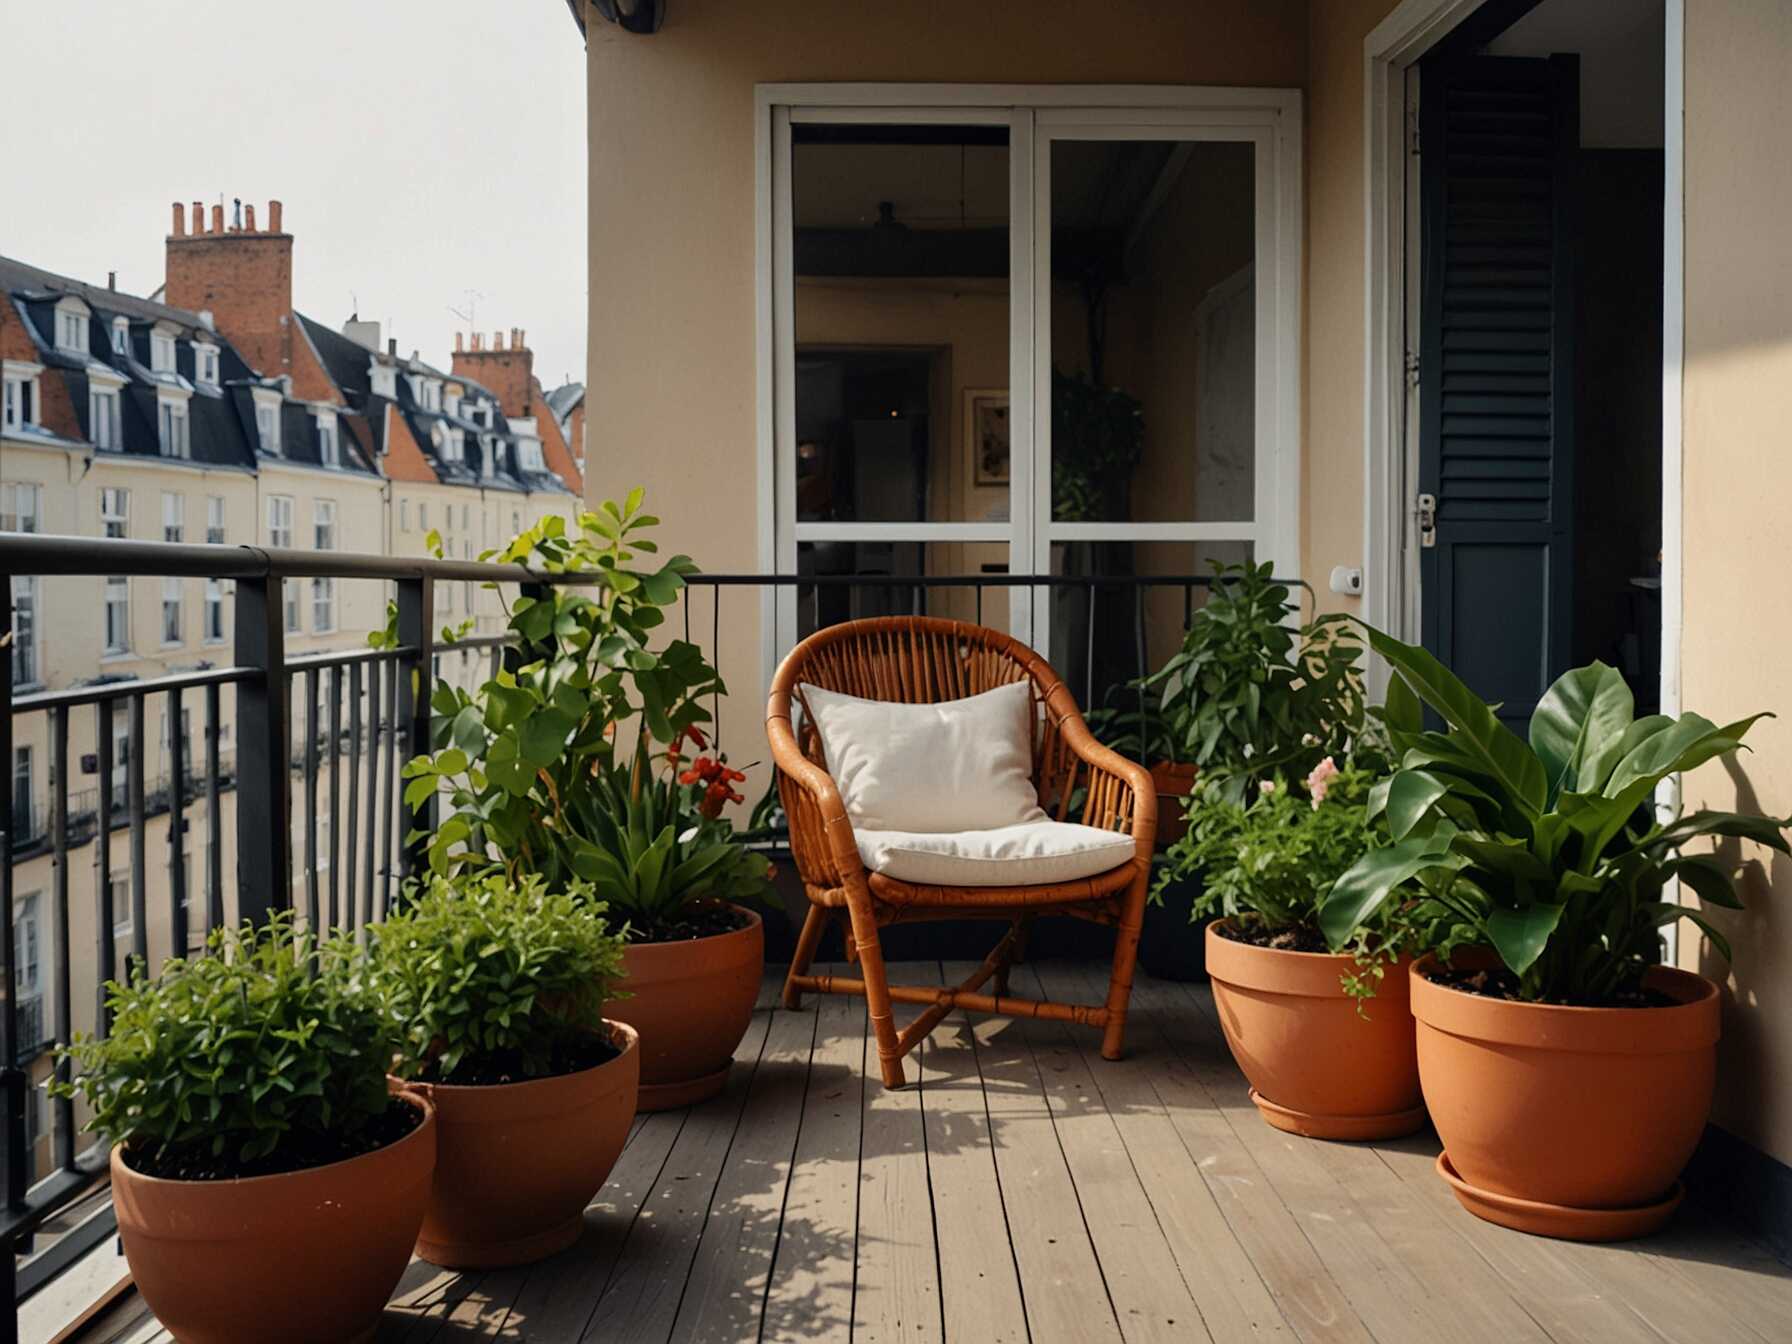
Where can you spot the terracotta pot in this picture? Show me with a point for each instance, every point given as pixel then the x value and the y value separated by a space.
pixel 518 1162
pixel 1554 1119
pixel 1316 1065
pixel 692 1001
pixel 1173 781
pixel 288 1259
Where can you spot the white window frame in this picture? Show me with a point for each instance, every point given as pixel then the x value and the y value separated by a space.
pixel 404 515
pixel 323 590
pixel 205 364
pixel 213 616
pixel 27 669
pixel 329 442
pixel 267 419
pixel 281 519
pixel 214 520
pixel 116 617
pixel 1036 116
pixel 174 612
pixel 23 403
pixel 21 506
pixel 174 516
pixel 530 455
pixel 121 336
pixel 105 408
pixel 383 379
pixel 174 434
pixel 73 334
pixel 115 511
pixel 161 349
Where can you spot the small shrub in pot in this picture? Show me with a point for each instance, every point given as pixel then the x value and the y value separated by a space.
pixel 245 1090
pixel 498 990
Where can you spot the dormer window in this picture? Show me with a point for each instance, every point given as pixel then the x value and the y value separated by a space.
pixel 384 379
pixel 529 452
pixel 489 466
pixel 451 404
pixel 20 405
pixel 121 336
pixel 161 351
pixel 104 429
pixel 267 420
pixel 205 364
pixel 329 448
pixel 171 424
pixel 432 395
pixel 71 327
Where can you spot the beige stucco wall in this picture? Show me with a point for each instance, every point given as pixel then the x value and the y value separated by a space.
pixel 1737 605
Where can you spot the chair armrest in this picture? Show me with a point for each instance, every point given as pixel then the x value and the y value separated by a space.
pixel 1131 787
pixel 821 838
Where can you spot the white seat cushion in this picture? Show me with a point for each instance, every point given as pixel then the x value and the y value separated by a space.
pixel 953 766
pixel 1031 854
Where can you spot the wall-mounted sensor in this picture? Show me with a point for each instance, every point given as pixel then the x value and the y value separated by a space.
pixel 1347 580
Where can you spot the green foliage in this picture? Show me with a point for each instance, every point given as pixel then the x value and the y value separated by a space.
pixel 270 1039
pixel 481 974
pixel 1549 850
pixel 518 759
pixel 1248 697
pixel 1098 438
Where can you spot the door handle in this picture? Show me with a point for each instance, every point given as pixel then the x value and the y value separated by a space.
pixel 1427 520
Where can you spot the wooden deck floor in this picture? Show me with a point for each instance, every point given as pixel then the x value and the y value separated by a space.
pixel 1028 1190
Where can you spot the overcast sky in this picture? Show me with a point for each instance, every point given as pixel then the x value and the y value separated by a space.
pixel 422 148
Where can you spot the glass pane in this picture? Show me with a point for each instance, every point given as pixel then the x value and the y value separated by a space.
pixel 1106 634
pixel 1153 331
pixel 901 311
pixel 887 574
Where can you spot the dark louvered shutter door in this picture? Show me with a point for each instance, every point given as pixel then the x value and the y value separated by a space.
pixel 1497 144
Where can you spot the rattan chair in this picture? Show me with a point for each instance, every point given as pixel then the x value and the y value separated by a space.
pixel 922 660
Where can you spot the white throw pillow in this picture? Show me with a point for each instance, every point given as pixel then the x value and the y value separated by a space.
pixel 1034 853
pixel 959 765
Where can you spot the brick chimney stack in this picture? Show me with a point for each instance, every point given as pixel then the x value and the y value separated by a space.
pixel 243 276
pixel 506 366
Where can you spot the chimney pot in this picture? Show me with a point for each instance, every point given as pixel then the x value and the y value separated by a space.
pixel 198 217
pixel 497 340
pixel 392 347
pixel 520 342
pixel 112 280
pixel 217 219
pixel 180 220
pixel 274 217
pixel 478 342
pixel 457 349
pixel 249 217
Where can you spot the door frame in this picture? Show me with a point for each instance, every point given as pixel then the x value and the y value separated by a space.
pixel 1271 116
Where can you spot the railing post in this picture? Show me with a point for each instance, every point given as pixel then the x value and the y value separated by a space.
pixel 416 627
pixel 264 746
pixel 12 1078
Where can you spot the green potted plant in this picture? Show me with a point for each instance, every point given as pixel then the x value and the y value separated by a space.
pixel 1568 1075
pixel 498 989
pixel 1249 697
pixel 1325 1036
pixel 255 1135
pixel 534 782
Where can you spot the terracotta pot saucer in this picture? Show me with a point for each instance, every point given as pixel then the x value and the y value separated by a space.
pixel 1351 1128
pixel 1558 1220
pixel 686 1092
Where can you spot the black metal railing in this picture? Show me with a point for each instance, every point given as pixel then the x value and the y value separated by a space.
pixel 330 732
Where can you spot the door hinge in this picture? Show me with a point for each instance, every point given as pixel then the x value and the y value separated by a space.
pixel 1427 512
pixel 1412 369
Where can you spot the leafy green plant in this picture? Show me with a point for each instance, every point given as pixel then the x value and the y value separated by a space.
pixel 1098 439
pixel 1548 850
pixel 489 979
pixel 265 1053
pixel 1248 696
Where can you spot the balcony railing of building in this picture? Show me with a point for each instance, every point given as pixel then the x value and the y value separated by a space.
pixel 319 738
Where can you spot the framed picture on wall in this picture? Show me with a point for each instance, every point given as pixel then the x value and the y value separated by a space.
pixel 986 434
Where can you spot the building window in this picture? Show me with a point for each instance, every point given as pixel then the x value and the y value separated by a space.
pixel 454 446
pixel 172 423
pixel 102 417
pixel 385 381
pixel 21 506
pixel 214 520
pixel 516 523
pixel 22 796
pixel 404 515
pixel 115 511
pixel 118 615
pixel 280 525
pixel 267 425
pixel 120 889
pixel 214 611
pixel 323 590
pixel 25 671
pixel 423 515
pixel 27 950
pixel 121 336
pixel 174 516
pixel 173 619
pixel 161 352
pixel 205 364
pixel 21 400
pixel 530 452
pixel 71 328
pixel 328 450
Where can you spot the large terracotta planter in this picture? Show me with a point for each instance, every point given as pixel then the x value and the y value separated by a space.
pixel 692 1001
pixel 1172 781
pixel 288 1259
pixel 1316 1065
pixel 517 1163
pixel 1569 1122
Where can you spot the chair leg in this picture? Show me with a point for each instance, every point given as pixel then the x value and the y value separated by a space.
pixel 1017 953
pixel 807 941
pixel 877 987
pixel 1126 957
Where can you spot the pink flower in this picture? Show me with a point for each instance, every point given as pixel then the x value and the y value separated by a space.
pixel 1266 787
pixel 1320 780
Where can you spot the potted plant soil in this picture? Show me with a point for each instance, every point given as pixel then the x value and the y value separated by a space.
pixel 1248 698
pixel 1568 1075
pixel 268 1182
pixel 499 991
pixel 1325 1037
pixel 530 767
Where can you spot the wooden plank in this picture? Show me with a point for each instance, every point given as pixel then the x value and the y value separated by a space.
pixel 1151 1300
pixel 809 1294
pixel 1060 1274
pixel 896 1293
pixel 1227 1289
pixel 1717 1260
pixel 980 1292
pixel 724 1295
pixel 640 1302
